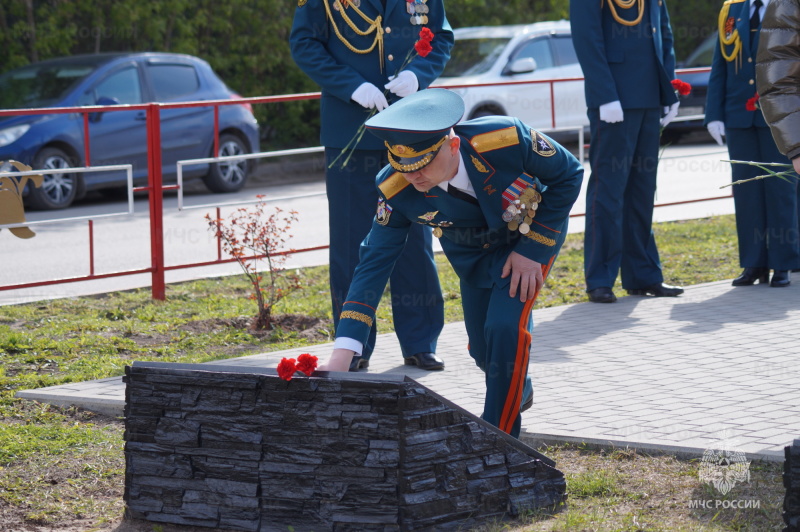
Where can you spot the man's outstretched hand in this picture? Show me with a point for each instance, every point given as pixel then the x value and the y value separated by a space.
pixel 338 361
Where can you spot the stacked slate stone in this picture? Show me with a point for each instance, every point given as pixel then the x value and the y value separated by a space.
pixel 791 481
pixel 241 449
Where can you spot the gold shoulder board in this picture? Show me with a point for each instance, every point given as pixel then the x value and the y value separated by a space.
pixel 393 184
pixel 494 140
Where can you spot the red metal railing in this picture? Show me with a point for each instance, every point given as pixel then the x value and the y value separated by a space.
pixel 155 187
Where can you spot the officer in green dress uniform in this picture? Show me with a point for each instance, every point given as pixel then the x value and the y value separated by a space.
pixel 766 209
pixel 625 51
pixel 356 51
pixel 497 194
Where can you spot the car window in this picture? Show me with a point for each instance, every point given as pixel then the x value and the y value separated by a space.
pixel 40 86
pixel 123 85
pixel 703 54
pixel 171 81
pixel 470 57
pixel 564 50
pixel 539 50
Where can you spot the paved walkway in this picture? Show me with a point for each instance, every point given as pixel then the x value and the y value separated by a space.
pixel 672 374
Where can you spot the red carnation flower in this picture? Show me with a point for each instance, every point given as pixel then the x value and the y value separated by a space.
pixel 752 103
pixel 306 363
pixel 286 368
pixel 681 86
pixel 425 34
pixel 423 48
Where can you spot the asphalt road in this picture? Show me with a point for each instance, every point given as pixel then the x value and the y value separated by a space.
pixel 121 243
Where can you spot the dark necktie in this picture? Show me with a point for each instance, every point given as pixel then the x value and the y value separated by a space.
pixel 755 20
pixel 460 194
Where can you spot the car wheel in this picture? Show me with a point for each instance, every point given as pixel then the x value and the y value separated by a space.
pixel 228 176
pixel 57 190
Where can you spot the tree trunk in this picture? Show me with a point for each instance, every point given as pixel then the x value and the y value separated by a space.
pixel 34 54
pixel 263 321
pixel 168 32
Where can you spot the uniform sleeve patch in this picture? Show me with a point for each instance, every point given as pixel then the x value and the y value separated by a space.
pixel 494 140
pixel 393 184
pixel 384 212
pixel 542 145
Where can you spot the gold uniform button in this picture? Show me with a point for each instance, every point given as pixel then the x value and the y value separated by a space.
pixel 752 81
pixel 390 58
pixel 388 30
pixel 485 246
pixel 749 59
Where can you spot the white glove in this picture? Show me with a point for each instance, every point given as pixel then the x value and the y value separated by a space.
pixel 369 96
pixel 670 113
pixel 611 112
pixel 717 130
pixel 403 84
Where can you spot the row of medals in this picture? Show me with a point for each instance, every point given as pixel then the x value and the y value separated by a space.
pixel 519 214
pixel 418 11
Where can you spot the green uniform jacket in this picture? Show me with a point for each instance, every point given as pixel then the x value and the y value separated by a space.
pixel 502 157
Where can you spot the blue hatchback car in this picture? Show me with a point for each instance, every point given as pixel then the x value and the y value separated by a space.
pixel 120 137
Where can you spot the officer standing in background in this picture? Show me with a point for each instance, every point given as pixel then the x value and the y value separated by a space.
pixel 498 195
pixel 354 50
pixel 766 209
pixel 625 52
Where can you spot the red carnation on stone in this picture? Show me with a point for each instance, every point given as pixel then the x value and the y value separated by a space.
pixel 752 103
pixel 286 368
pixel 306 363
pixel 682 87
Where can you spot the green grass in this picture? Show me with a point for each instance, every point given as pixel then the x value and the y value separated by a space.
pixel 61 466
pixel 593 484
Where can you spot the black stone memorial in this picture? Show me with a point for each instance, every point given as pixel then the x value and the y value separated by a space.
pixel 791 481
pixel 241 449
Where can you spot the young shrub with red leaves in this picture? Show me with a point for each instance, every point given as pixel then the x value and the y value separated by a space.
pixel 251 235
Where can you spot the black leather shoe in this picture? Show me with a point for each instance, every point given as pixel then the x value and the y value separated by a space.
pixel 750 275
pixel 601 295
pixel 657 290
pixel 780 278
pixel 428 361
pixel 359 363
pixel 526 405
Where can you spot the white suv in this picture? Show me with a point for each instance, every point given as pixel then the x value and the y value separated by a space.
pixel 527 52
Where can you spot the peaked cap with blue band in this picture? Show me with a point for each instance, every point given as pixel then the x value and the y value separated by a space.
pixel 416 127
